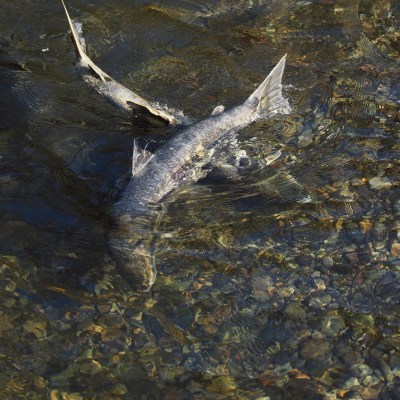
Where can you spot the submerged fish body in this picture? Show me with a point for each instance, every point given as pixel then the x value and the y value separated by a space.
pixel 178 162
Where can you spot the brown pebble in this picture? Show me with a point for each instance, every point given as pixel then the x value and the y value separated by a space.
pixel 314 349
pixel 370 393
pixel 395 250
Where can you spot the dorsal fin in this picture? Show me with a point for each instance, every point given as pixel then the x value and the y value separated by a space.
pixel 218 110
pixel 140 158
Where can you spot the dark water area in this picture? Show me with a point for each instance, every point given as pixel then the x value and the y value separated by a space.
pixel 282 285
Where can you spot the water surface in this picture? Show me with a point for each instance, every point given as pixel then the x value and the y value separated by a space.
pixel 259 294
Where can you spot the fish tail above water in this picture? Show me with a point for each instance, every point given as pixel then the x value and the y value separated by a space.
pixel 267 99
pixel 80 48
pixel 113 91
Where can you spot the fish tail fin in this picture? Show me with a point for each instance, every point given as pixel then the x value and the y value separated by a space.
pixel 267 98
pixel 80 48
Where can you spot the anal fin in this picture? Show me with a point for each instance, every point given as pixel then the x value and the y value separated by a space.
pixel 143 113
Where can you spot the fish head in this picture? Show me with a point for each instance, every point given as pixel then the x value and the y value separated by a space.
pixel 136 265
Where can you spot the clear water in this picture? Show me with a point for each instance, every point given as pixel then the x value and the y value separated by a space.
pixel 259 295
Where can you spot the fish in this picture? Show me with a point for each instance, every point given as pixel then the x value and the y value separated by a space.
pixel 119 95
pixel 180 161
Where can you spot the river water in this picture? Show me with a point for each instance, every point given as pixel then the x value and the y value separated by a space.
pixel 259 294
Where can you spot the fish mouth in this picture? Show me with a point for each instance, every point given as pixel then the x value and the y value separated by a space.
pixel 136 265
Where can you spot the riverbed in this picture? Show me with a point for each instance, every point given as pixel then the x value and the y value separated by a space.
pixel 283 284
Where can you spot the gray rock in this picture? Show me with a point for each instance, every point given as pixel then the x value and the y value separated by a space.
pixel 380 182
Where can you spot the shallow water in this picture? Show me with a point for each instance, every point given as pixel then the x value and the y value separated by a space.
pixel 259 294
